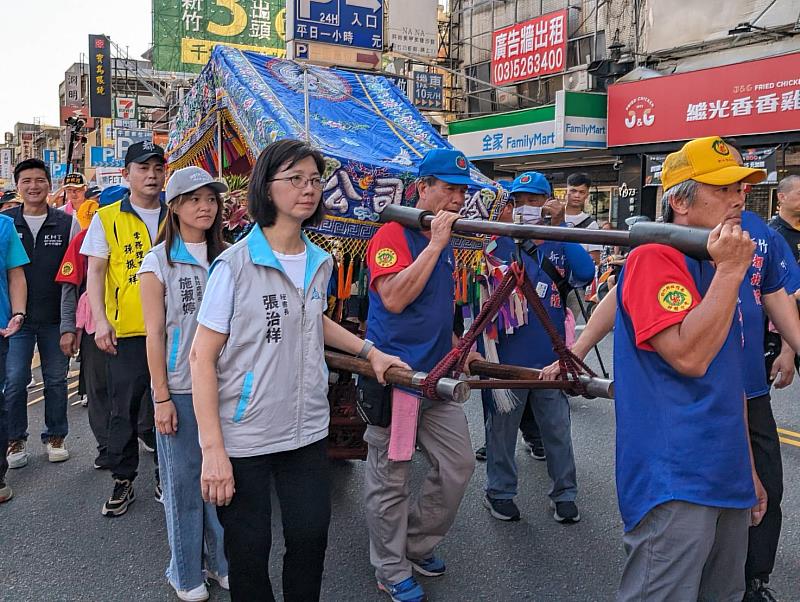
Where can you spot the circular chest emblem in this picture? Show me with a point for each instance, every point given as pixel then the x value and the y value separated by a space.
pixel 674 297
pixel 386 257
pixel 67 268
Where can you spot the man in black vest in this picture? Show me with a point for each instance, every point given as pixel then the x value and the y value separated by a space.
pixel 45 233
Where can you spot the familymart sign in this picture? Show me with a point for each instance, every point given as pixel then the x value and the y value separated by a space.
pixel 577 120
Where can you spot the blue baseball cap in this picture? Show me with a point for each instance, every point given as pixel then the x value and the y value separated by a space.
pixel 532 182
pixel 448 165
pixel 112 194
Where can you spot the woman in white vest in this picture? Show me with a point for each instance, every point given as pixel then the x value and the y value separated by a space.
pixel 173 278
pixel 260 381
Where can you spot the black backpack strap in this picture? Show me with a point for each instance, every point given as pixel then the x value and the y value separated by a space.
pixel 560 282
pixel 585 222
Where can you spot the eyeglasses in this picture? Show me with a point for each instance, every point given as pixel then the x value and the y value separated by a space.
pixel 300 182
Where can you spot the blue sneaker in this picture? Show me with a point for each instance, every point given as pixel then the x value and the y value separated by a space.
pixel 430 567
pixel 407 590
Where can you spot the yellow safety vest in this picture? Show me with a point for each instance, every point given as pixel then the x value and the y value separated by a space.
pixel 128 242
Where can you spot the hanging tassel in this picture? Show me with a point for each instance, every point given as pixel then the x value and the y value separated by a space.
pixel 504 400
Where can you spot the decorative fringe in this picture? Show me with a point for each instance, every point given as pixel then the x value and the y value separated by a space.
pixel 504 400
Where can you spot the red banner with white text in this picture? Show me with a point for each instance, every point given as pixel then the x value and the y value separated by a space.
pixel 756 97
pixel 530 49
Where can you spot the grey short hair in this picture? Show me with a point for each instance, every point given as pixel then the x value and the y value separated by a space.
pixel 786 185
pixel 686 190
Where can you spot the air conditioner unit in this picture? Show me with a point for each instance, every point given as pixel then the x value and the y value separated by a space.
pixel 577 81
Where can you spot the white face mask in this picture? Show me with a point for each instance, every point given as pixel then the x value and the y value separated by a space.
pixel 528 214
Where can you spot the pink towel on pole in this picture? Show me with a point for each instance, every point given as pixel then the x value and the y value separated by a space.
pixel 403 433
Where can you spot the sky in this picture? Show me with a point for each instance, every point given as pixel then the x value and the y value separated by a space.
pixel 44 37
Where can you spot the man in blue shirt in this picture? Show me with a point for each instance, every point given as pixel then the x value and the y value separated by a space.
pixel 13 298
pixel 548 265
pixel 411 315
pixel 686 483
pixel 45 233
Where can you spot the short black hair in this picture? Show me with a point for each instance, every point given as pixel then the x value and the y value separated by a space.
pixel 277 156
pixel 579 179
pixel 31 164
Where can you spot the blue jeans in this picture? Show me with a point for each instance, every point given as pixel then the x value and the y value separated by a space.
pixel 3 411
pixel 551 410
pixel 18 374
pixel 190 521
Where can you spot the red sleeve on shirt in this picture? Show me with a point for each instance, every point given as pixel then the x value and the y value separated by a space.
pixel 73 266
pixel 657 291
pixel 388 252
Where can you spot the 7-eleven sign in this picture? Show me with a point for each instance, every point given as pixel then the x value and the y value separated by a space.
pixel 126 108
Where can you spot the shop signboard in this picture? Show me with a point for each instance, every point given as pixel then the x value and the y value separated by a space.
pixel 428 90
pixel 6 163
pixel 185 32
pixel 530 49
pixel 757 158
pixel 577 120
pixel 125 108
pixel 99 76
pixel 754 97
pixel 109 176
pixel 73 94
pixel 412 27
pixel 353 23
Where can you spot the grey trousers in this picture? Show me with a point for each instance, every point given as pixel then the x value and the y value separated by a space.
pixel 551 409
pixel 686 552
pixel 399 527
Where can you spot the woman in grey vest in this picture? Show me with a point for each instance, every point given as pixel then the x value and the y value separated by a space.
pixel 173 277
pixel 260 381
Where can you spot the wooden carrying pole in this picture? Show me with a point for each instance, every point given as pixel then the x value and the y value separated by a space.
pixel 447 388
pixel 595 387
pixel 690 241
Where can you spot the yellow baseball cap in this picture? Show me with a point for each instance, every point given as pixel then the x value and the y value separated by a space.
pixel 709 161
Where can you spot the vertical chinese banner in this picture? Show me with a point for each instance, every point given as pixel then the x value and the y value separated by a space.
pixel 99 76
pixel 530 49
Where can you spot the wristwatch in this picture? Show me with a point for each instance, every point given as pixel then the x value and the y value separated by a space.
pixel 19 313
pixel 368 345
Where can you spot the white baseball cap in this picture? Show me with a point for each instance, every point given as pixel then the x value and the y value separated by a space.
pixel 189 179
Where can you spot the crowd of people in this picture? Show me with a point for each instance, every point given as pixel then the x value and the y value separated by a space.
pixel 213 355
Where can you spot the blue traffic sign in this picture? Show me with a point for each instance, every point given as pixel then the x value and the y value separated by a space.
pixel 100 156
pixel 58 171
pixel 356 23
pixel 49 156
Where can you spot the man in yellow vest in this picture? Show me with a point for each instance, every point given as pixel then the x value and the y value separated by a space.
pixel 116 242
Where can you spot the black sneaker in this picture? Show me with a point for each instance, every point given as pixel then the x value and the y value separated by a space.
pixel 119 501
pixel 147 439
pixel 480 454
pixel 159 494
pixel 565 512
pixel 502 509
pixel 757 591
pixel 101 463
pixel 536 450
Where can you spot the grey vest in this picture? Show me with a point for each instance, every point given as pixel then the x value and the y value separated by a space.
pixel 184 283
pixel 273 380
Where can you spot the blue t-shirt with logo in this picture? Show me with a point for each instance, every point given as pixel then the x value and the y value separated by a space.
pixel 768 272
pixel 12 255
pixel 678 437
pixel 422 334
pixel 530 345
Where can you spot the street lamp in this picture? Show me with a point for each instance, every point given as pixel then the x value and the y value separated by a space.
pixel 743 28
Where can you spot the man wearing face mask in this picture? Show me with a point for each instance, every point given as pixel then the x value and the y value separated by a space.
pixel 550 266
